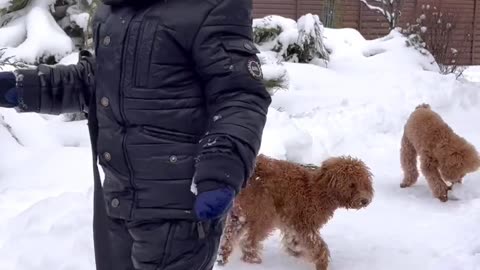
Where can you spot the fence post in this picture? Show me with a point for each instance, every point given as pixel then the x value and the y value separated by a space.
pixel 476 33
pixel 296 9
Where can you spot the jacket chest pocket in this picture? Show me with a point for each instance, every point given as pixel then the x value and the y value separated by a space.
pixel 143 52
pixel 160 60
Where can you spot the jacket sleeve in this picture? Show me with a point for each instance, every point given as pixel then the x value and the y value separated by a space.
pixel 56 89
pixel 237 101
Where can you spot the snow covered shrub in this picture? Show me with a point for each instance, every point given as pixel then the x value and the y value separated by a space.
pixel 25 24
pixel 268 30
pixel 298 42
pixel 265 34
pixel 275 76
pixel 415 41
pixel 389 9
pixel 309 44
pixel 43 31
pixel 434 30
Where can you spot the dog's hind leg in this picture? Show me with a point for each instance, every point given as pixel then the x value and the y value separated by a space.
pixel 315 248
pixel 434 179
pixel 234 228
pixel 257 231
pixel 291 244
pixel 408 161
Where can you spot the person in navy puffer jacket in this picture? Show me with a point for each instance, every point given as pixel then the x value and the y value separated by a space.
pixel 176 110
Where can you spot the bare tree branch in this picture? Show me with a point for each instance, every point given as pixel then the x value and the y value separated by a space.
pixel 389 9
pixel 9 61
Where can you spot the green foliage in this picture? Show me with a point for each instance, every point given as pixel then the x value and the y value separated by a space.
pixel 262 35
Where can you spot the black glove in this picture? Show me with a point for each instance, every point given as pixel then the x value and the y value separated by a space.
pixel 8 90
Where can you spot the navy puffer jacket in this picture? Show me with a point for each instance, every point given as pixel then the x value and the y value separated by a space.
pixel 178 95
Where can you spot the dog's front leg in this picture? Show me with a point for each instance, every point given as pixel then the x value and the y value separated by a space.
pixel 434 179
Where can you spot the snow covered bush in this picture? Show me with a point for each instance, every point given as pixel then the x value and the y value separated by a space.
pixel 298 42
pixel 281 40
pixel 309 44
pixel 389 9
pixel 275 76
pixel 42 31
pixel 434 30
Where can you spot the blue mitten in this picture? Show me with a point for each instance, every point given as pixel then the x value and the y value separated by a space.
pixel 8 90
pixel 212 204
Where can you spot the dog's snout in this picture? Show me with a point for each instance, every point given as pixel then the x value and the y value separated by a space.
pixel 365 201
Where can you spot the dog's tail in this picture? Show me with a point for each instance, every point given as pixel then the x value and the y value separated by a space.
pixel 423 106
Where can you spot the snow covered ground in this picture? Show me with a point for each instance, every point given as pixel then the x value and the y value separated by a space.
pixel 355 106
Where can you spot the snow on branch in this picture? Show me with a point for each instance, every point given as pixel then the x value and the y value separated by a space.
pixel 9 61
pixel 375 8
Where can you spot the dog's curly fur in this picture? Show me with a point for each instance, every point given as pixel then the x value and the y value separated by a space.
pixel 444 156
pixel 298 200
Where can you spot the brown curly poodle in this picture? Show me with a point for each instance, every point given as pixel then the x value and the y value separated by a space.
pixel 298 200
pixel 444 156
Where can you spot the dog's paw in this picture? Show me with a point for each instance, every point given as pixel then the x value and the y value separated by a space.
pixel 443 198
pixel 321 266
pixel 221 262
pixel 294 253
pixel 251 258
pixel 406 183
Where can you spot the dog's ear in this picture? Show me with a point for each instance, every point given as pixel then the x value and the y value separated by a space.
pixel 341 170
pixel 327 170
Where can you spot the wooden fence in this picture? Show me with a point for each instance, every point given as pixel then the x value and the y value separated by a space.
pixel 354 14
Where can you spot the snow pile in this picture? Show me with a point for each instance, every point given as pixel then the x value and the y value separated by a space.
pixel 472 74
pixel 29 235
pixel 45 187
pixel 294 145
pixel 391 51
pixel 355 106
